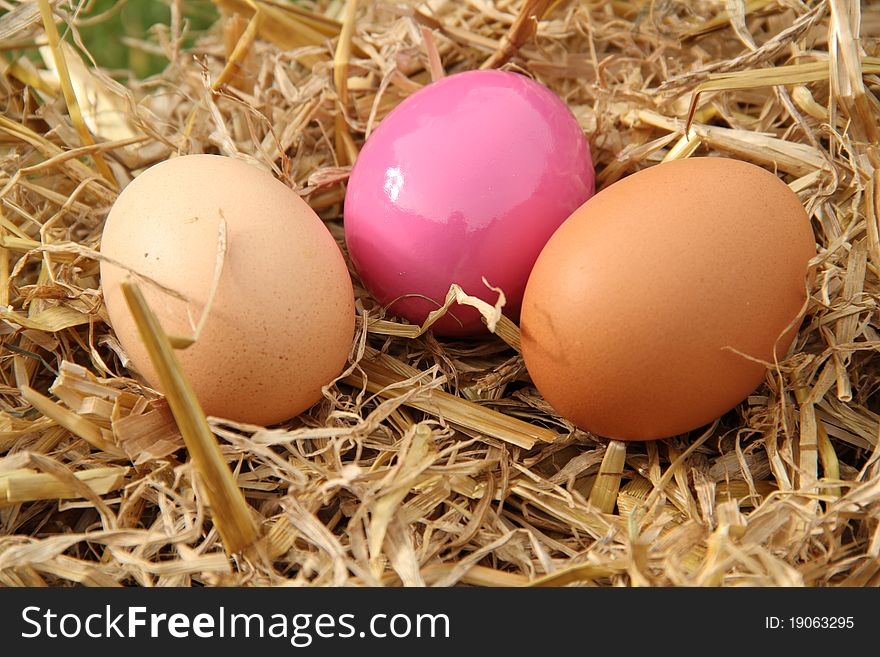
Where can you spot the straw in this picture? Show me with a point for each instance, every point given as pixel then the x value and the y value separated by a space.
pixel 18 486
pixel 523 28
pixel 603 495
pixel 430 460
pixel 66 87
pixel 231 513
pixel 346 151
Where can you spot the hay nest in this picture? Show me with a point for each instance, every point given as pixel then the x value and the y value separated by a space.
pixel 433 461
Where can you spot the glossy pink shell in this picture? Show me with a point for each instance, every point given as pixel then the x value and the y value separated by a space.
pixel 467 178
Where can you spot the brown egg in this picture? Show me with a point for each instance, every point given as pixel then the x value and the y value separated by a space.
pixel 282 320
pixel 646 310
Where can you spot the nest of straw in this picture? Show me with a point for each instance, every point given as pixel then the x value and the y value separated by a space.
pixel 432 462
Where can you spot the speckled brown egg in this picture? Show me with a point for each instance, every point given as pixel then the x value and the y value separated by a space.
pixel 282 320
pixel 656 306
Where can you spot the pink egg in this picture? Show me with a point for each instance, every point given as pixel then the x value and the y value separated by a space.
pixel 466 179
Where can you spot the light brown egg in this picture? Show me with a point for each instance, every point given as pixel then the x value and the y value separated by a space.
pixel 282 320
pixel 652 309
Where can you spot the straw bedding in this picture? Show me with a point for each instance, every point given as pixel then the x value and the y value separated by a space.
pixel 432 461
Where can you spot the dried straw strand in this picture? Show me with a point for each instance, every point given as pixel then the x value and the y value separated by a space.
pixel 67 89
pixel 231 513
pixel 346 151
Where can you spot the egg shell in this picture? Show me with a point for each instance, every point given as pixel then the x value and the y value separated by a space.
pixel 644 312
pixel 466 178
pixel 282 321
